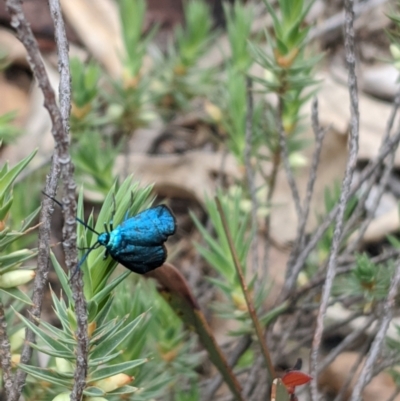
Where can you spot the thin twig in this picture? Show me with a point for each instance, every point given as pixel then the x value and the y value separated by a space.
pixel 5 354
pixel 376 347
pixel 305 339
pixel 334 24
pixel 344 195
pixel 383 181
pixel 319 277
pixel 387 149
pixel 69 209
pixel 61 165
pixel 276 161
pixel 250 307
pixel 371 181
pixel 345 343
pixel 253 377
pixel 234 356
pixel 286 163
pixel 25 35
pixel 250 174
pixel 352 372
pixel 319 134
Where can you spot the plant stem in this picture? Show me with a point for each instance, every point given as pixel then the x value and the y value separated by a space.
pixel 252 313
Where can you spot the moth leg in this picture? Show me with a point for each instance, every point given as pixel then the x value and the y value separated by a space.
pixel 129 208
pixel 113 213
pixel 105 254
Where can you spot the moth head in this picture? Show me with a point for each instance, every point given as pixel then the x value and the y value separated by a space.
pixel 103 238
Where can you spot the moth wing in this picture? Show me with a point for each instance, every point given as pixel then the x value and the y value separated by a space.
pixel 151 227
pixel 141 259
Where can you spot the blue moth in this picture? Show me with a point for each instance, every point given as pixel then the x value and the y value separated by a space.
pixel 137 243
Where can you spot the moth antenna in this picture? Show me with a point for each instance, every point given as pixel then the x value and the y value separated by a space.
pixel 86 226
pixel 53 199
pixel 77 218
pixel 96 245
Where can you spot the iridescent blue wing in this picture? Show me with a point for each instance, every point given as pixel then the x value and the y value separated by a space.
pixel 149 228
pixel 140 259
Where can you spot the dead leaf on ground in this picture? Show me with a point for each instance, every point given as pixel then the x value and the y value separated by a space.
pixel 191 175
pixel 13 48
pixel 13 98
pixel 37 127
pixel 97 24
pixel 334 109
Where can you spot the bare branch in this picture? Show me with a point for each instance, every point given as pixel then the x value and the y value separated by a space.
pixel 24 34
pixel 286 164
pixel 319 134
pixel 5 354
pixel 345 343
pixel 345 192
pixel 270 191
pixel 69 201
pixel 234 356
pixel 370 169
pixel 61 165
pixel 383 181
pixel 250 174
pixel 342 393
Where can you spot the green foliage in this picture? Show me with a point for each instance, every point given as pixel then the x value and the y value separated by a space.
pixel 94 158
pixel 133 331
pixel 369 280
pixel 193 40
pixel 179 78
pixel 4 60
pixel 217 253
pixel 132 15
pixel 11 274
pixel 84 82
pixel 238 24
pixel 164 340
pixel 288 67
pixel 8 132
pixel 128 103
pixel 233 94
pixel 107 372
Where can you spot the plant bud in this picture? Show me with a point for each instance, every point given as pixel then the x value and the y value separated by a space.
pixel 64 366
pixel 15 359
pixel 213 111
pixel 17 339
pixel 16 278
pixel 91 328
pixel 62 396
pixel 113 382
pixel 97 399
